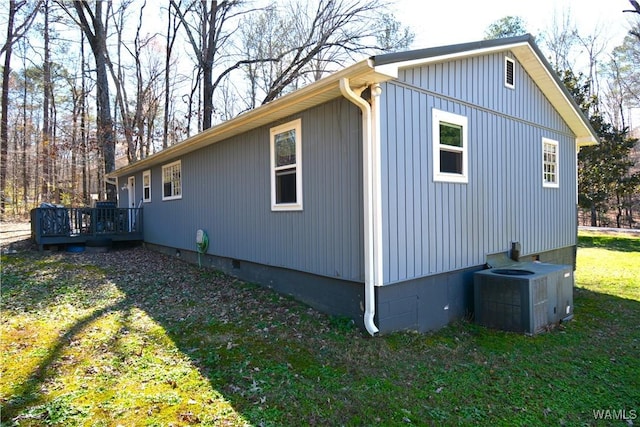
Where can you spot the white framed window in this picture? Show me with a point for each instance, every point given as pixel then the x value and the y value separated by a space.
pixel 550 172
pixel 509 72
pixel 450 147
pixel 172 181
pixel 146 186
pixel 286 166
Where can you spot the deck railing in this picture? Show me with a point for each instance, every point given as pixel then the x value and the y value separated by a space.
pixel 64 225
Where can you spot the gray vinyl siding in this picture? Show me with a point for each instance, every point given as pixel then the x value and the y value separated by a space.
pixel 227 192
pixel 479 81
pixel 431 227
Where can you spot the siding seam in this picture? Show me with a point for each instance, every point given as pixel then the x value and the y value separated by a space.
pixel 478 107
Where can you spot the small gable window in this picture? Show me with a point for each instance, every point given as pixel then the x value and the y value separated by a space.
pixel 450 147
pixel 286 166
pixel 509 70
pixel 550 163
pixel 172 181
pixel 146 186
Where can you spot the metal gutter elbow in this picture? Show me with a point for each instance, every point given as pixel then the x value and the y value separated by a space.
pixel 368 190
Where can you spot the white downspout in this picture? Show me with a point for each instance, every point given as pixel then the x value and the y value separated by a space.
pixel 369 205
pixel 376 155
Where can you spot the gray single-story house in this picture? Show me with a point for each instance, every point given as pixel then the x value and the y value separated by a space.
pixel 378 191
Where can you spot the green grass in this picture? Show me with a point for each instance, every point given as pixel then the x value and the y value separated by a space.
pixel 609 265
pixel 136 338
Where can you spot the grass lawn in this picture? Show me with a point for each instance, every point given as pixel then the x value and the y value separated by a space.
pixel 136 338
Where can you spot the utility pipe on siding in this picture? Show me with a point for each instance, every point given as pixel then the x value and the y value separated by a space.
pixel 369 205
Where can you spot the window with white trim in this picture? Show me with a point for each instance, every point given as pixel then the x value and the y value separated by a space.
pixel 509 72
pixel 146 186
pixel 172 181
pixel 450 147
pixel 286 166
pixel 550 163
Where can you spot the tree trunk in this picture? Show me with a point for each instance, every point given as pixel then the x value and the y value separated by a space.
pixel 205 49
pixel 209 50
pixel 76 97
pixel 4 120
pixel 86 197
pixel 619 210
pixel 46 128
pixel 14 171
pixel 74 151
pixel 54 165
pixel 98 43
pixel 105 122
pixel 25 174
pixel 171 38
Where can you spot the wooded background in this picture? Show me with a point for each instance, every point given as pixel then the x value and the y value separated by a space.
pixel 91 86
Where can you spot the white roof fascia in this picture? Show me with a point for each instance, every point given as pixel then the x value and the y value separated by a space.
pixel 360 74
pixel 392 69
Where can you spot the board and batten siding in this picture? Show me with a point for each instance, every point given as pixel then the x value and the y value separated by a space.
pixel 435 227
pixel 226 191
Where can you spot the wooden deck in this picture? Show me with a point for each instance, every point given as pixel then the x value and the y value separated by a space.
pixel 65 226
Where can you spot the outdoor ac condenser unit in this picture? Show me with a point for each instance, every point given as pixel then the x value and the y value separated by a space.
pixel 525 297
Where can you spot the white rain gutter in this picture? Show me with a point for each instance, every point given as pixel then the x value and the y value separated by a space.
pixel 371 201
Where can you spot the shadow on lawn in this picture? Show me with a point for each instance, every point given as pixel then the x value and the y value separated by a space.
pixel 614 243
pixel 234 333
pixel 28 394
pixel 275 359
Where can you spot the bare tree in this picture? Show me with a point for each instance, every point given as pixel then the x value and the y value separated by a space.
pixel 207 35
pixel 118 76
pixel 210 32
pixel 84 140
pixel 622 84
pixel 47 98
pixel 93 23
pixel 595 46
pixel 636 9
pixel 614 94
pixel 133 124
pixel 266 35
pixel 304 40
pixel 26 119
pixel 560 40
pixel 15 31
pixel 77 100
pixel 173 24
pixel 149 91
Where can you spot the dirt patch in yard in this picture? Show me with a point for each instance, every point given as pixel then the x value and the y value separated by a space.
pixel 16 234
pixel 631 232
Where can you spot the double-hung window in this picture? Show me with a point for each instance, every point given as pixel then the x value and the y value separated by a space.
pixel 550 163
pixel 286 166
pixel 172 181
pixel 146 186
pixel 450 147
